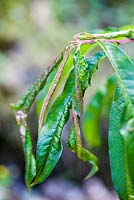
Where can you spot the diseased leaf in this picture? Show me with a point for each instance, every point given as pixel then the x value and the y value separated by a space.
pixel 86 68
pixel 85 155
pixel 49 146
pixel 66 71
pixel 82 70
pixel 99 105
pixel 83 73
pixel 93 64
pixel 121 147
pixel 79 62
pixel 30 164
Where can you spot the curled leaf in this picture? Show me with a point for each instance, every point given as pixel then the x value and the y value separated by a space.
pixel 30 163
pixel 49 146
pixel 85 154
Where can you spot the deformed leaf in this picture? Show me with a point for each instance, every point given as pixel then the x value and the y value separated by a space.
pixel 66 71
pixel 86 68
pixel 30 164
pixel 49 146
pixel 83 73
pixel 85 155
pixel 93 62
pixel 80 76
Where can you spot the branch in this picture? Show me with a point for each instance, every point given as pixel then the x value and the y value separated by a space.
pixel 125 33
pixel 87 38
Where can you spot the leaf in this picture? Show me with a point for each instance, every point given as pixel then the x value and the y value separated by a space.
pixel 83 73
pixel 121 146
pixel 31 177
pixel 98 105
pixel 124 70
pixel 49 146
pixel 66 71
pixel 86 68
pixel 30 164
pixel 93 63
pixel 80 68
pixel 85 155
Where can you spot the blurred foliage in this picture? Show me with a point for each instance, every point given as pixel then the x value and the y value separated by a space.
pixel 98 108
pixel 17 18
pixel 5 176
pixel 90 13
pixel 14 18
pixel 3 59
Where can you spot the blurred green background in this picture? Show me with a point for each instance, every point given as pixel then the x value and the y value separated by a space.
pixel 32 34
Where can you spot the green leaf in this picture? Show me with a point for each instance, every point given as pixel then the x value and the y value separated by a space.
pixel 66 71
pixel 99 105
pixel 124 70
pixel 84 69
pixel 49 146
pixel 121 147
pixel 80 68
pixel 93 64
pixel 30 163
pixel 85 154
